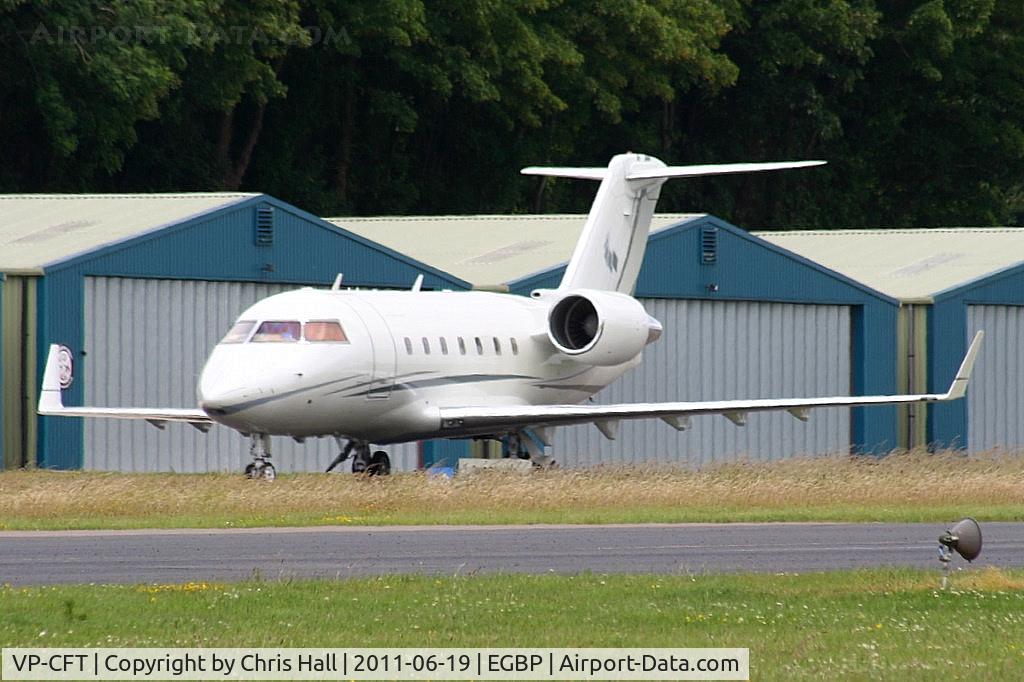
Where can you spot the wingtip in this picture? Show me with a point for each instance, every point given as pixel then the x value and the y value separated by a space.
pixel 50 400
pixel 958 388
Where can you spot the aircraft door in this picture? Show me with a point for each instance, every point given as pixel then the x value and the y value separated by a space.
pixel 384 352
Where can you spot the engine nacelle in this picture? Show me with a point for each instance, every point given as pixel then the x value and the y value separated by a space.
pixel 601 327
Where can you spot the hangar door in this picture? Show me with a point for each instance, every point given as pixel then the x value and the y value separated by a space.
pixel 995 399
pixel 146 341
pixel 718 350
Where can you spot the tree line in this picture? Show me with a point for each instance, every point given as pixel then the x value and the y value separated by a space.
pixel 358 107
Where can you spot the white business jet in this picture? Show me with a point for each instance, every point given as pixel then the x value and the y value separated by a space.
pixel 389 367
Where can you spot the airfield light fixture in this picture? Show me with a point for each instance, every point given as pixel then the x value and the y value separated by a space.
pixel 964 538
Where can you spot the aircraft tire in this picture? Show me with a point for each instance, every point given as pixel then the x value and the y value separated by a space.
pixel 380 464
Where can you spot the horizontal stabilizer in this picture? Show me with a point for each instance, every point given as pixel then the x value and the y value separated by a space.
pixel 578 173
pixel 717 169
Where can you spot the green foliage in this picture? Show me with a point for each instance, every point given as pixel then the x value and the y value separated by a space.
pixel 411 106
pixel 940 116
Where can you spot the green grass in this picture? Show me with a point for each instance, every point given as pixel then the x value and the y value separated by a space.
pixel 901 487
pixel 879 624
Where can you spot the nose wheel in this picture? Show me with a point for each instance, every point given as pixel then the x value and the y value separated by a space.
pixel 380 464
pixel 260 466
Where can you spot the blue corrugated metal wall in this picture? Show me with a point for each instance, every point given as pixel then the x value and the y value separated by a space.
pixel 747 268
pixel 219 245
pixel 947 343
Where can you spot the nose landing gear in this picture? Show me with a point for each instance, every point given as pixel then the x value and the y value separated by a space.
pixel 259 450
pixel 377 464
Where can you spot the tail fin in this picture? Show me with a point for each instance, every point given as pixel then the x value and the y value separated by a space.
pixel 611 248
pixel 56 377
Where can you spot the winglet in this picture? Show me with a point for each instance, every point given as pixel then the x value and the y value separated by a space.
pixel 49 397
pixel 958 388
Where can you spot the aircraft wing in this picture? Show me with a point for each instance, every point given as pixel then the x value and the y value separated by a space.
pixel 606 417
pixel 50 403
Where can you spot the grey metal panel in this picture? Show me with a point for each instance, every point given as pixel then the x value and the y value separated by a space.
pixel 146 341
pixel 717 350
pixel 995 399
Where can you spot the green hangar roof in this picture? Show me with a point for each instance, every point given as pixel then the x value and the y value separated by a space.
pixel 913 266
pixel 39 229
pixel 486 250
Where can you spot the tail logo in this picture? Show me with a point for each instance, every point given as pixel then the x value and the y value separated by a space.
pixel 65 367
pixel 611 259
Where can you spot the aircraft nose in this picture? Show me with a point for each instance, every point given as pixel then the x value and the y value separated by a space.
pixel 220 403
pixel 223 383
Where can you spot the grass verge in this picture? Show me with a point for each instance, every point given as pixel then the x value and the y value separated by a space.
pixel 878 624
pixel 901 487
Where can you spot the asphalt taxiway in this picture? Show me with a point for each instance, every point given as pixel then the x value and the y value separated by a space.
pixel 164 556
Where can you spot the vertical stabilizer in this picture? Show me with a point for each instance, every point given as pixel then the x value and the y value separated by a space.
pixel 611 247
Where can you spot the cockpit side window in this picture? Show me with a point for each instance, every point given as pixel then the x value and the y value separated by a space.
pixel 240 332
pixel 325 331
pixel 277 331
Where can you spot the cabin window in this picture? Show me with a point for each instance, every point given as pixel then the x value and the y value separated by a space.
pixel 426 346
pixel 515 346
pixel 275 331
pixel 497 346
pixel 240 332
pixel 479 346
pixel 444 346
pixel 462 346
pixel 325 331
pixel 408 345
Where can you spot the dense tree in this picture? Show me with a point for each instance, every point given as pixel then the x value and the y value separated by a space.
pixel 939 124
pixel 415 106
pixel 75 81
pixel 799 62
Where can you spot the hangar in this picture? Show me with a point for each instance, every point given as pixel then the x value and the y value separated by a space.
pixel 140 288
pixel 743 318
pixel 950 283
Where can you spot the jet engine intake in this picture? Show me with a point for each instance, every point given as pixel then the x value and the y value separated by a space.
pixel 601 327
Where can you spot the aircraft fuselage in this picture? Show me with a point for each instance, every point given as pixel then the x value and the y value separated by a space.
pixel 404 355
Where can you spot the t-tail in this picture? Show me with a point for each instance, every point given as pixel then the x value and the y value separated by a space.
pixel 611 247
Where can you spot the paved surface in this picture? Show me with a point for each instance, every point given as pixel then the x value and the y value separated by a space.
pixel 184 555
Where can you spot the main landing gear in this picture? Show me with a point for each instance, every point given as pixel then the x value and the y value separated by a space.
pixel 376 464
pixel 259 450
pixel 526 444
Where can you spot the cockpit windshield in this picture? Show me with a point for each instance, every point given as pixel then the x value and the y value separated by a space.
pixel 240 332
pixel 318 331
pixel 278 330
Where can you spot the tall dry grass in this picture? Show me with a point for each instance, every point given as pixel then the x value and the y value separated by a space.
pixel 904 480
